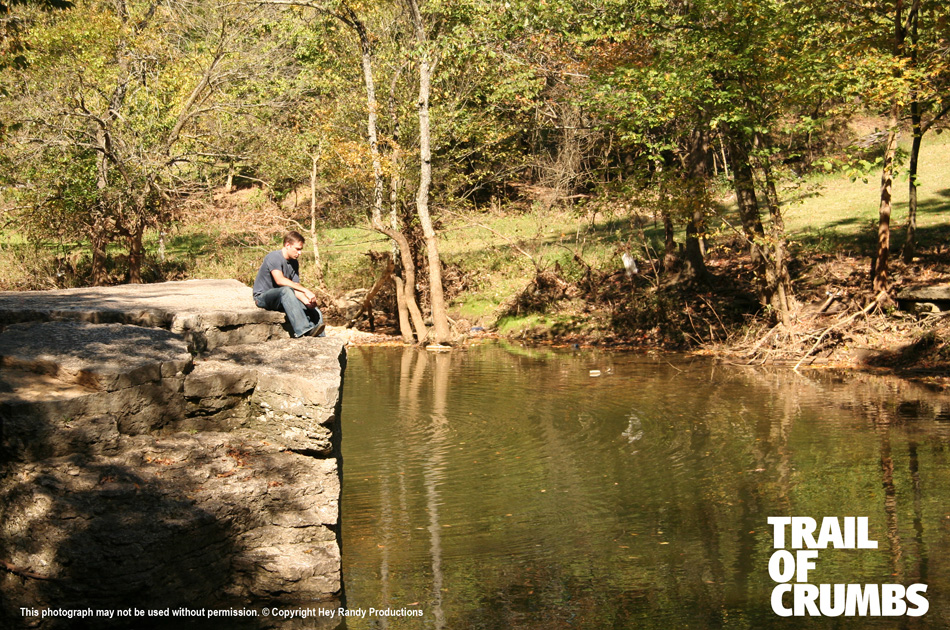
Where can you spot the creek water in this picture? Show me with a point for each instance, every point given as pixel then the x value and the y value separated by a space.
pixel 506 487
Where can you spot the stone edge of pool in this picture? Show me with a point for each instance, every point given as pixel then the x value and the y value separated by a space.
pixel 165 445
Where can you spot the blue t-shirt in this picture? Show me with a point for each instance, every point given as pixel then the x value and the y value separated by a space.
pixel 275 260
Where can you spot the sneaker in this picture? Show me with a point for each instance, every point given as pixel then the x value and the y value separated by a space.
pixel 316 331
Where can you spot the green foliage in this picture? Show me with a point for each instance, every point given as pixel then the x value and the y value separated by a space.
pixel 118 117
pixel 115 119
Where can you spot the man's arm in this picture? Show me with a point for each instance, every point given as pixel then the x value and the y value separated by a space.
pixel 304 294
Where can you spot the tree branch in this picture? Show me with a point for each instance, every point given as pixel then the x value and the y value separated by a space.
pixel 943 112
pixel 186 112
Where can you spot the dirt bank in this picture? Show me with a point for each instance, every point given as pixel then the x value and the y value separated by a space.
pixel 837 321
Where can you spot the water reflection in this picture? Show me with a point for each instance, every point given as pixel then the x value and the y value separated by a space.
pixel 503 487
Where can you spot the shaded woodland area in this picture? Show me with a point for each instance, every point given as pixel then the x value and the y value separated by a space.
pixel 122 119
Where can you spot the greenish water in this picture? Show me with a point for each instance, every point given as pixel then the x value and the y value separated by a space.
pixel 503 487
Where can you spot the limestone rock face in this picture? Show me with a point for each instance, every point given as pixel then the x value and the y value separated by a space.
pixel 140 467
pixel 185 519
pixel 71 387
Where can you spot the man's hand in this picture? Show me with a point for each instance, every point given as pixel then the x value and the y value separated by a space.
pixel 307 297
pixel 303 294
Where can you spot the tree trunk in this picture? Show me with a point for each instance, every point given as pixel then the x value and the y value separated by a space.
pixel 879 277
pixel 403 293
pixel 395 181
pixel 100 237
pixel 695 267
pixel 777 272
pixel 879 267
pixel 366 54
pixel 779 279
pixel 919 128
pixel 722 150
pixel 440 319
pixel 97 243
pixel 136 252
pixel 409 269
pixel 405 326
pixel 366 57
pixel 910 241
pixel 318 267
pixel 744 184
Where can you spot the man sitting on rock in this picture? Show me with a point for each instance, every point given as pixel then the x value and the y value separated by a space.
pixel 277 288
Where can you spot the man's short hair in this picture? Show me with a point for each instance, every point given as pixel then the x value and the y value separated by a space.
pixel 293 237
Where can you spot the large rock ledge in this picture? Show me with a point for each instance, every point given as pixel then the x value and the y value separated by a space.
pixel 205 313
pixel 183 453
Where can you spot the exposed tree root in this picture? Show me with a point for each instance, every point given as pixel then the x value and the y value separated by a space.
pixel 882 296
pixel 15 570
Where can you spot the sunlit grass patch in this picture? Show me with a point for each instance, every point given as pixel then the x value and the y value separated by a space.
pixel 843 211
pixel 528 325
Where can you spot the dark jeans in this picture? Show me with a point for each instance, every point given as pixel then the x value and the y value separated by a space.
pixel 302 319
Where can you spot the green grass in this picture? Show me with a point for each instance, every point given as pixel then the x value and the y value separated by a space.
pixel 833 212
pixel 538 325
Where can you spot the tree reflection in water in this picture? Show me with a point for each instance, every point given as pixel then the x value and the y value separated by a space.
pixel 504 487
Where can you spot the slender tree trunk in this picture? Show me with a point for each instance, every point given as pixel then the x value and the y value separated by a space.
pixel 403 293
pixel 744 184
pixel 910 240
pixel 671 259
pixel 440 319
pixel 670 255
pixel 879 268
pixel 100 236
pixel 779 278
pixel 722 150
pixel 97 243
pixel 402 310
pixel 366 58
pixel 366 55
pixel 409 269
pixel 318 266
pixel 695 266
pixel 136 251
pixel 879 277
pixel 395 181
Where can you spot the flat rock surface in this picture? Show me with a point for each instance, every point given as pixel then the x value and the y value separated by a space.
pixel 933 293
pixel 312 359
pixel 219 302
